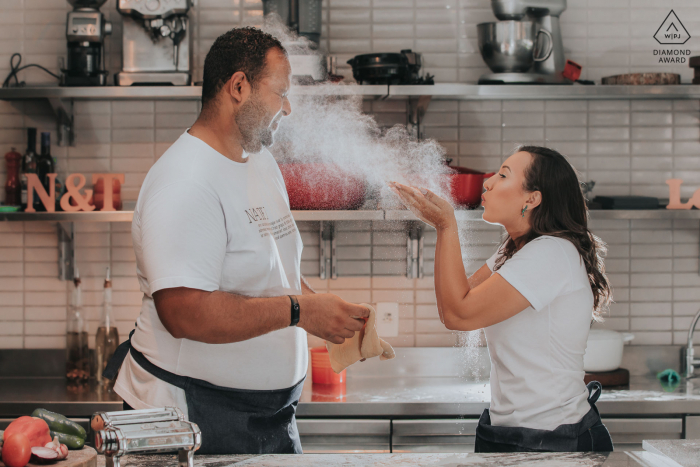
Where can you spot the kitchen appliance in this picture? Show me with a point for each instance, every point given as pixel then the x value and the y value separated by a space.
pixel 303 18
pixel 322 187
pixel 525 46
pixel 642 79
pixel 145 432
pixel 604 350
pixel 86 29
pixel 155 43
pixel 467 185
pixel 388 68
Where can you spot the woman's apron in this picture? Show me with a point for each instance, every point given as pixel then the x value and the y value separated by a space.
pixel 232 421
pixel 587 435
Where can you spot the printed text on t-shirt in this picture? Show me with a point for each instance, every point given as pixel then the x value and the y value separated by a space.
pixel 279 228
pixel 256 214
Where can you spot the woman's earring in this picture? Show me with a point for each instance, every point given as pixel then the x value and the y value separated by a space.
pixel 523 211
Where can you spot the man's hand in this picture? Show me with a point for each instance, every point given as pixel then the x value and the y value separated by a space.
pixel 330 317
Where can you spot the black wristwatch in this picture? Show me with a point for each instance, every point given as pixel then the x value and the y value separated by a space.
pixel 295 310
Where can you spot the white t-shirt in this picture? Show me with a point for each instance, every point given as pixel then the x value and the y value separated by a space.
pixel 206 222
pixel 537 355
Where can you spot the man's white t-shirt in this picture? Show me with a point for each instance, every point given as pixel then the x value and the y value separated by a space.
pixel 206 222
pixel 537 355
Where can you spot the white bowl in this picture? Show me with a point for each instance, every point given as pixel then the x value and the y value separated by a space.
pixel 604 350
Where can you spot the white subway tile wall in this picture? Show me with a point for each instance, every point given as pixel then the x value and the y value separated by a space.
pixel 627 147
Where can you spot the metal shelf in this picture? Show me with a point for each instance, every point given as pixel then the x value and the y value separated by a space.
pixel 373 215
pixel 168 92
pixel 368 215
pixel 461 91
pixel 438 91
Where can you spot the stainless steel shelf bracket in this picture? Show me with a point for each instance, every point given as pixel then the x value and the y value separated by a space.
pixel 63 108
pixel 327 257
pixel 417 106
pixel 414 251
pixel 66 251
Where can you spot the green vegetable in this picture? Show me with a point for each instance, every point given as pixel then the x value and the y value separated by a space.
pixel 60 424
pixel 73 442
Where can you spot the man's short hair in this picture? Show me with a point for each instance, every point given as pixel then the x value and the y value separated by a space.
pixel 240 49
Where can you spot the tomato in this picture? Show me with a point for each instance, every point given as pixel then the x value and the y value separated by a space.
pixel 16 450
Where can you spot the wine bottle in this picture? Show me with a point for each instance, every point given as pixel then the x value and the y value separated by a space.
pixel 107 337
pixel 28 164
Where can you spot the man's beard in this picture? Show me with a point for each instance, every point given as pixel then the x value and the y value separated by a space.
pixel 251 123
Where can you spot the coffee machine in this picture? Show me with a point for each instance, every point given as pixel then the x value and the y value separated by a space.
pixel 86 29
pixel 155 43
pixel 525 46
pixel 303 18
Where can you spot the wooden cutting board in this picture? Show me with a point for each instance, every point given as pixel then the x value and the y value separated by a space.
pixel 609 379
pixel 86 457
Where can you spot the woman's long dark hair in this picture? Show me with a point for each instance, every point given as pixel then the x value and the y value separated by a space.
pixel 562 213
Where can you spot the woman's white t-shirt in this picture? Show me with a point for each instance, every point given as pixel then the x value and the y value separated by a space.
pixel 537 355
pixel 206 222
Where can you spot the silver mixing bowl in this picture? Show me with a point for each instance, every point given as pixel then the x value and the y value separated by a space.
pixel 507 46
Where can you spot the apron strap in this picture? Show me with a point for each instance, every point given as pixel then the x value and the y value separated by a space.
pixel 112 369
pixel 115 363
pixel 595 389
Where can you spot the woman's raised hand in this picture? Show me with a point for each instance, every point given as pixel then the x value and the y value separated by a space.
pixel 426 205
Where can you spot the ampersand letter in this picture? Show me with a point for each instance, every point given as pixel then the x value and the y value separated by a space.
pixel 73 191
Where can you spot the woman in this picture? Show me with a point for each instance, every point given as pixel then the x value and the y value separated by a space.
pixel 535 297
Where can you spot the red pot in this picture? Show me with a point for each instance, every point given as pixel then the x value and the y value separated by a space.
pixel 467 185
pixel 322 187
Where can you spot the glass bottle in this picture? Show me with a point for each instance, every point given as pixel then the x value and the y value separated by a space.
pixel 44 167
pixel 77 352
pixel 28 164
pixel 107 337
pixel 13 186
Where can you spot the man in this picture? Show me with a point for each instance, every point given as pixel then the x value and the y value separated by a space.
pixel 222 330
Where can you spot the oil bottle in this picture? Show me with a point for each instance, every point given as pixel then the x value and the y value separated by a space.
pixel 107 337
pixel 77 352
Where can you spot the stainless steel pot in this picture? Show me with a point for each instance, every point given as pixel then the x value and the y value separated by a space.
pixel 512 46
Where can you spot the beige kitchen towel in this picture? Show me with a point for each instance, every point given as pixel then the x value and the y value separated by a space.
pixel 366 343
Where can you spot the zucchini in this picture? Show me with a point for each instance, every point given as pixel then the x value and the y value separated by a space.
pixel 73 442
pixel 60 424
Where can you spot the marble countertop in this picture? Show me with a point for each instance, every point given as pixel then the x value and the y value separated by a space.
pixel 562 459
pixel 362 396
pixel 682 452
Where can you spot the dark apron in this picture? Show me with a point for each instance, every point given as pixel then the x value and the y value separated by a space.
pixel 233 421
pixel 587 435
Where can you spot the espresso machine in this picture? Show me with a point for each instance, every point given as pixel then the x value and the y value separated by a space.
pixel 155 43
pixel 303 18
pixel 525 46
pixel 86 29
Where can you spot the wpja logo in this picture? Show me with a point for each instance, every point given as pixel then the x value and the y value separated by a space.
pixel 672 32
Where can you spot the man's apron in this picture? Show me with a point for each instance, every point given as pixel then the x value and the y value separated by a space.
pixel 587 435
pixel 232 421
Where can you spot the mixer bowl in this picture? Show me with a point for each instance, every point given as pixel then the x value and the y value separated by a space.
pixel 87 3
pixel 507 46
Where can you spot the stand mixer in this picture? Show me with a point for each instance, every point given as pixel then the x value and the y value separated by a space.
pixel 155 42
pixel 525 46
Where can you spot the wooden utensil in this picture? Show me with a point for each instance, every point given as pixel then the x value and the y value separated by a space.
pixel 643 79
